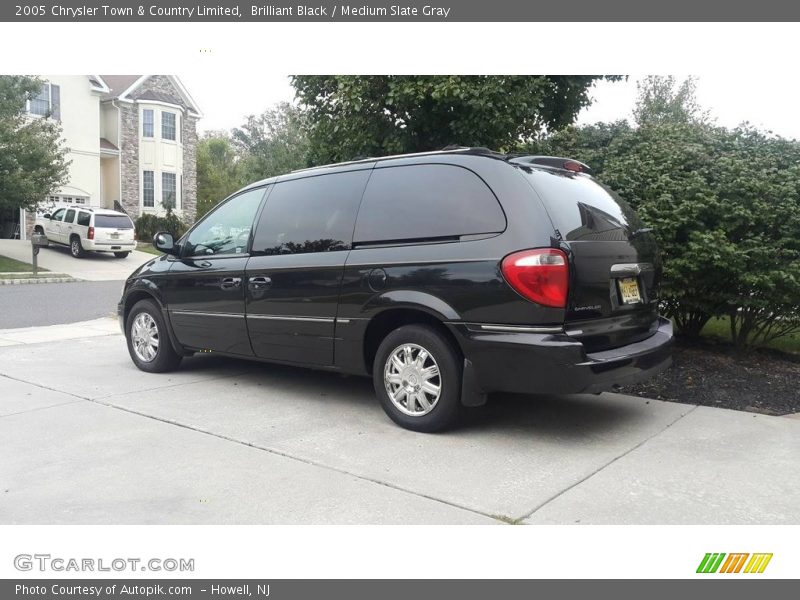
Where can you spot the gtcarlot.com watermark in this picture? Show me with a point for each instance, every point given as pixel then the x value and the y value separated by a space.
pixel 58 564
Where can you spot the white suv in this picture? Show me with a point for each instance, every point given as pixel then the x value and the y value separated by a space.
pixel 82 228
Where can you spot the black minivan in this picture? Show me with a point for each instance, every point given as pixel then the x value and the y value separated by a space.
pixel 442 275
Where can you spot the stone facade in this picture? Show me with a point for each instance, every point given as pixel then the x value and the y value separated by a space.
pixel 158 87
pixel 189 184
pixel 129 158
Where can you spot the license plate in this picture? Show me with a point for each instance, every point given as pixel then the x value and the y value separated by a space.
pixel 629 290
pixel 114 236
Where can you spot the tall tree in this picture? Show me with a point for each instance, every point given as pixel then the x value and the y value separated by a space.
pixel 380 115
pixel 273 142
pixel 32 156
pixel 219 171
pixel 661 99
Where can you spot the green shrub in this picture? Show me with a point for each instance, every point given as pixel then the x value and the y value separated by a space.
pixel 148 225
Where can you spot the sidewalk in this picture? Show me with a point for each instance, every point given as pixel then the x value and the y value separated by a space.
pixel 93 267
pixel 57 333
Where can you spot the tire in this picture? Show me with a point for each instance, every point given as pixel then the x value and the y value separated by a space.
pixel 164 358
pixel 76 248
pixel 121 254
pixel 441 412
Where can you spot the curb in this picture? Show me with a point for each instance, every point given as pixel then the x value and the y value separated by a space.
pixel 32 280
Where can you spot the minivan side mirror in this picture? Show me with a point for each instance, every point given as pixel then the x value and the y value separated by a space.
pixel 165 242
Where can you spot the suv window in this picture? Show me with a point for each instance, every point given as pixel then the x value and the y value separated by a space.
pixel 113 221
pixel 313 214
pixel 57 216
pixel 226 229
pixel 426 202
pixel 581 208
pixel 84 218
pixel 70 217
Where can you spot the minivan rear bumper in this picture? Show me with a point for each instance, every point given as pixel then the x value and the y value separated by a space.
pixel 528 362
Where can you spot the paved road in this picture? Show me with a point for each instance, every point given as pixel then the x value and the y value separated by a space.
pixel 87 438
pixel 56 303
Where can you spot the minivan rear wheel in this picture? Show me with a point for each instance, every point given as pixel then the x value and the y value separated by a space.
pixel 148 341
pixel 417 378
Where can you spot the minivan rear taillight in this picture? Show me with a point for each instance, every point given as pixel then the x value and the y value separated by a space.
pixel 541 275
pixel 91 233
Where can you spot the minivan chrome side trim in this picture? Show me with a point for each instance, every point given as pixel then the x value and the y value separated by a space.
pixel 197 313
pixel 282 318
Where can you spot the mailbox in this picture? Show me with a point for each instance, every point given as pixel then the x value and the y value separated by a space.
pixel 39 240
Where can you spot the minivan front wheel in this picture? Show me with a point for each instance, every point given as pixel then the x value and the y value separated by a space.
pixel 417 378
pixel 148 340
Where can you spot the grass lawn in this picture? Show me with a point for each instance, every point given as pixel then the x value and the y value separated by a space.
pixel 721 329
pixel 145 247
pixel 9 265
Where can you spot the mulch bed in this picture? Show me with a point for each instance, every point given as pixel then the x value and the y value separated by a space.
pixel 709 374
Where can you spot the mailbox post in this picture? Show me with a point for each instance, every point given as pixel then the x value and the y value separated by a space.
pixel 37 241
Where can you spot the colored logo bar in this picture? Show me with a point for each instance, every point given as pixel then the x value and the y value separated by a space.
pixel 716 562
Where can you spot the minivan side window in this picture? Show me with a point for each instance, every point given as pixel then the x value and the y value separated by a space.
pixel 419 202
pixel 226 229
pixel 313 214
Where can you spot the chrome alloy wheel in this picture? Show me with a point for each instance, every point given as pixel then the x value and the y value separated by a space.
pixel 412 380
pixel 144 337
pixel 75 247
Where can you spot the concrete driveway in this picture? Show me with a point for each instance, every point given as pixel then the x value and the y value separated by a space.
pixel 87 438
pixel 93 267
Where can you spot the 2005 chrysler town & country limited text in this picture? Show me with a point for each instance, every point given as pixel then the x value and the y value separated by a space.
pixel 443 275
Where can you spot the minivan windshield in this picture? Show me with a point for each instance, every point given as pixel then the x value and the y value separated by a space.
pixel 581 208
pixel 113 221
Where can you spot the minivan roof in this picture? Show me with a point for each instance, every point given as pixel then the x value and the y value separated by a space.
pixel 547 162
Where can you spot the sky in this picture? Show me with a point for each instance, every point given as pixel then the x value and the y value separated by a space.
pixel 731 99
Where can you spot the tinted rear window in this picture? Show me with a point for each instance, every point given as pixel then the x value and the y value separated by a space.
pixel 113 221
pixel 581 208
pixel 313 214
pixel 426 202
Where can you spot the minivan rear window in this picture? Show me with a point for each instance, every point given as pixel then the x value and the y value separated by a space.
pixel 419 202
pixel 581 208
pixel 113 221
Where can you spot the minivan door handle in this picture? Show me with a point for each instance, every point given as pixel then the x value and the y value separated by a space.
pixel 259 283
pixel 231 283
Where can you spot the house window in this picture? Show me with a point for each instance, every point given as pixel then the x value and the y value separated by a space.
pixel 168 126
pixel 40 105
pixel 168 190
pixel 147 123
pixel 148 189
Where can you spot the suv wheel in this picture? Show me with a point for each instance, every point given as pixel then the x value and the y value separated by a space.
pixel 417 377
pixel 76 247
pixel 148 340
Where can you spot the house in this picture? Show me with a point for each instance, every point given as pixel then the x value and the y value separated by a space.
pixel 131 142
